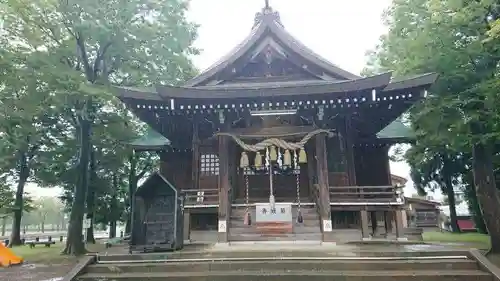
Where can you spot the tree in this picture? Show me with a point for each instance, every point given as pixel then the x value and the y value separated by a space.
pixel 432 167
pixel 92 44
pixel 451 38
pixel 47 210
pixel 27 123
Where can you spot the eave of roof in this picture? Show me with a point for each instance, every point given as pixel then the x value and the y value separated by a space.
pixel 274 89
pixel 422 201
pixel 268 24
pixel 270 89
pixel 421 80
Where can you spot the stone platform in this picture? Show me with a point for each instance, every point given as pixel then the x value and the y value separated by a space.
pixel 292 261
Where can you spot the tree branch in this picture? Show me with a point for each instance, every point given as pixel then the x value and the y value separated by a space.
pixel 80 42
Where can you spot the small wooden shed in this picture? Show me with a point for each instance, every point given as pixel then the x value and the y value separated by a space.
pixel 158 216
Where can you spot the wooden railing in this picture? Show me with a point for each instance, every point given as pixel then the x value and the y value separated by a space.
pixel 362 194
pixel 200 197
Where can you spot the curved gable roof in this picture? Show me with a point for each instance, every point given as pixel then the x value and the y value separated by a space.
pixel 268 24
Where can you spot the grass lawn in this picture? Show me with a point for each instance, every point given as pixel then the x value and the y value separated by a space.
pixel 476 240
pixel 44 255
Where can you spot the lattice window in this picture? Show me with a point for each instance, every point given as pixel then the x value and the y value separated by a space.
pixel 209 164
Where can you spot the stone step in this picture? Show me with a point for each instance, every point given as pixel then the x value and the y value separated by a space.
pixel 253 229
pixel 305 220
pixel 275 237
pixel 305 214
pixel 311 265
pixel 415 275
pixel 200 254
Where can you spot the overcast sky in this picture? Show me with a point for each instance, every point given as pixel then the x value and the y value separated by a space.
pixel 341 31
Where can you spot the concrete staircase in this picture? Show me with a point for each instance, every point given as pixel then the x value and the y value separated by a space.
pixel 312 266
pixel 309 229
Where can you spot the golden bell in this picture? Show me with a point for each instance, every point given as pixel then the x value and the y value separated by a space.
pixel 287 158
pixel 302 156
pixel 244 160
pixel 258 160
pixel 273 155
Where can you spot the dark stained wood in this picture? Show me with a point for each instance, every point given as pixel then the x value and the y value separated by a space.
pixel 196 156
pixel 364 224
pixel 351 168
pixel 223 177
pixel 265 90
pixel 399 223
pixel 322 170
pixel 381 194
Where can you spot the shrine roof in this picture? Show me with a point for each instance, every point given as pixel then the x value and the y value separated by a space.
pixel 275 89
pixel 268 25
pixel 396 130
pixel 152 140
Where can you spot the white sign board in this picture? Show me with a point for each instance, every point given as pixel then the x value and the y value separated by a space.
pixel 327 226
pixel 222 226
pixel 282 212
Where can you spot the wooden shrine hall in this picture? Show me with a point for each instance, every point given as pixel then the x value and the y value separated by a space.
pixel 273 142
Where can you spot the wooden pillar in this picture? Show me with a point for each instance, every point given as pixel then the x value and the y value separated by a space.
pixel 324 187
pixel 385 156
pixel 399 224
pixel 388 218
pixel 364 224
pixel 374 220
pixel 223 189
pixel 187 225
pixel 349 149
pixel 310 168
pixel 196 156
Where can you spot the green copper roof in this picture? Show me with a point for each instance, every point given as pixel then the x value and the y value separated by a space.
pixel 396 130
pixel 152 140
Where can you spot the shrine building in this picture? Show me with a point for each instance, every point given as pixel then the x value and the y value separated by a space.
pixel 273 142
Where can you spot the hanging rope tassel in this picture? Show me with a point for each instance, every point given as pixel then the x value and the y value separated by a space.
pixel 302 156
pixel 258 160
pixel 273 155
pixel 287 158
pixel 244 160
pixel 300 219
pixel 247 220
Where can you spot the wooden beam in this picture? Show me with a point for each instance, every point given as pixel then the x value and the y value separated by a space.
pixel 196 155
pixel 322 170
pixel 223 185
pixel 348 139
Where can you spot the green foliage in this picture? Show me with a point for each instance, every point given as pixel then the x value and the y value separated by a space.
pixel 65 121
pixel 458 40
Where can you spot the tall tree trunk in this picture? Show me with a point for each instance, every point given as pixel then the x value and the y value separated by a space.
pixel 74 241
pixel 42 227
pixel 113 207
pixel 91 198
pixel 23 172
pixel 132 187
pixel 453 209
pixel 112 229
pixel 450 192
pixel 486 192
pixel 4 225
pixel 473 204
